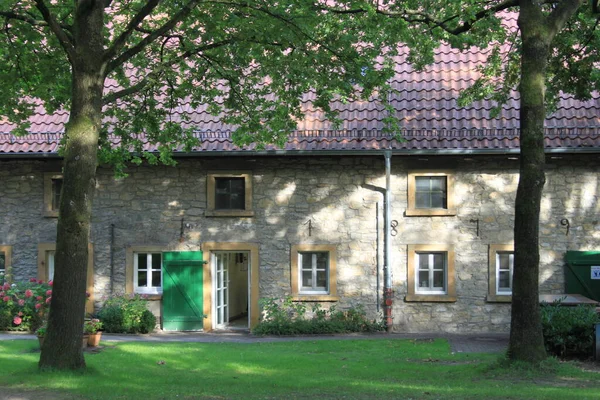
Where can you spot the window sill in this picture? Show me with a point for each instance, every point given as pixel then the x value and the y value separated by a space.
pixel 433 298
pixel 423 212
pixel 229 213
pixel 499 298
pixel 151 297
pixel 315 297
pixel 50 214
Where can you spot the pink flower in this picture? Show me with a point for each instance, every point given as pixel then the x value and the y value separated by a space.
pixel 48 300
pixel 48 292
pixel 2 294
pixel 40 281
pixel 50 283
pixel 6 299
pixel 87 294
pixel 39 298
pixel 20 314
pixel 38 306
pixel 17 320
pixel 6 286
pixel 21 302
pixel 32 280
pixel 28 293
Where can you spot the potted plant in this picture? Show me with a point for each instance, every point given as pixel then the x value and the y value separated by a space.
pixel 41 334
pixel 92 329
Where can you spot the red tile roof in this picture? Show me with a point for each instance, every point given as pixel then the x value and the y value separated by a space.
pixel 425 104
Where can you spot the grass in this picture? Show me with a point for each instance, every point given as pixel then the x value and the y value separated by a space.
pixel 345 369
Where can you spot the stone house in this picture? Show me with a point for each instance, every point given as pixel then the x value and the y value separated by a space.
pixel 307 220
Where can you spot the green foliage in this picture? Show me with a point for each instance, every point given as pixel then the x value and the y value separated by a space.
pixel 287 317
pixel 126 314
pixel 569 331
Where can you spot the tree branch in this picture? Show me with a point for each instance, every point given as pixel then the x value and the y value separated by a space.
pixel 559 16
pixel 58 31
pixel 137 19
pixel 114 96
pixel 132 51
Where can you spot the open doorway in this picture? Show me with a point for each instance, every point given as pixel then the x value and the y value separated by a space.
pixel 231 295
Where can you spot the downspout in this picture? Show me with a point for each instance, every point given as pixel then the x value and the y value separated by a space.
pixel 387 270
pixel 112 258
pixel 377 251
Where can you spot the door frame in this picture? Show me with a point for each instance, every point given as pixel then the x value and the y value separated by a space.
pixel 252 248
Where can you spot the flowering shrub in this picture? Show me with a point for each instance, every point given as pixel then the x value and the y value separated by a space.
pixel 92 326
pixel 24 306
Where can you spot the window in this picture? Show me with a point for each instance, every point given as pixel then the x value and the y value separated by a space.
pixel 229 194
pixel 47 267
pixel 500 270
pixel 314 272
pixel 147 276
pixel 5 263
pixel 52 187
pixel 430 194
pixel 431 273
pixel 143 270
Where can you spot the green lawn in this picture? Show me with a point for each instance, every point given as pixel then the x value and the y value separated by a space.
pixel 345 369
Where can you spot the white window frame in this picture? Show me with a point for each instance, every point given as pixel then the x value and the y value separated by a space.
pixel 430 269
pixel 147 289
pixel 314 269
pixel 511 260
pixel 50 255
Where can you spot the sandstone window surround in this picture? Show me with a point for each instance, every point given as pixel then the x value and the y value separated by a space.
pixel 46 268
pixel 229 194
pixel 52 187
pixel 143 270
pixel 431 274
pixel 314 272
pixel 430 193
pixel 500 272
pixel 5 263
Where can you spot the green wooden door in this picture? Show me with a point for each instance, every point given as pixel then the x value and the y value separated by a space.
pixel 182 291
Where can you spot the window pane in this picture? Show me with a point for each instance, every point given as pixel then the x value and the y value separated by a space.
pixel 322 259
pixel 504 263
pixel 306 260
pixel 438 200
pixel 423 260
pixel 56 188
pixel 504 281
pixel 422 183
pixel 142 278
pixel 321 279
pixel 142 261
pixel 422 200
pixel 307 279
pixel 2 262
pixel 438 261
pixel 156 261
pixel 230 194
pixel 438 184
pixel 438 279
pixel 156 279
pixel 424 279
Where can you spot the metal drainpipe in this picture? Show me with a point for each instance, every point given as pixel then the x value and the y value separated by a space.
pixel 112 258
pixel 387 282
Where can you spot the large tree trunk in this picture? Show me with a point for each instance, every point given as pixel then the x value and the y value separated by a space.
pixel 526 339
pixel 62 347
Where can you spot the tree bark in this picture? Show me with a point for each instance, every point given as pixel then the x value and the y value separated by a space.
pixel 526 338
pixel 62 347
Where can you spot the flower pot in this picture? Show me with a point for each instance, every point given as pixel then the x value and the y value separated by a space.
pixel 94 339
pixel 84 343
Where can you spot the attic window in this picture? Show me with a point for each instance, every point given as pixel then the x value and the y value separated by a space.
pixel 430 194
pixel 52 187
pixel 229 194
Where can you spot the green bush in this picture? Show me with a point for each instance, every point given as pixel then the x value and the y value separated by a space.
pixel 127 314
pixel 569 331
pixel 286 317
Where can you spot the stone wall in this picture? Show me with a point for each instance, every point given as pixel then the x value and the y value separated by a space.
pixel 342 197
